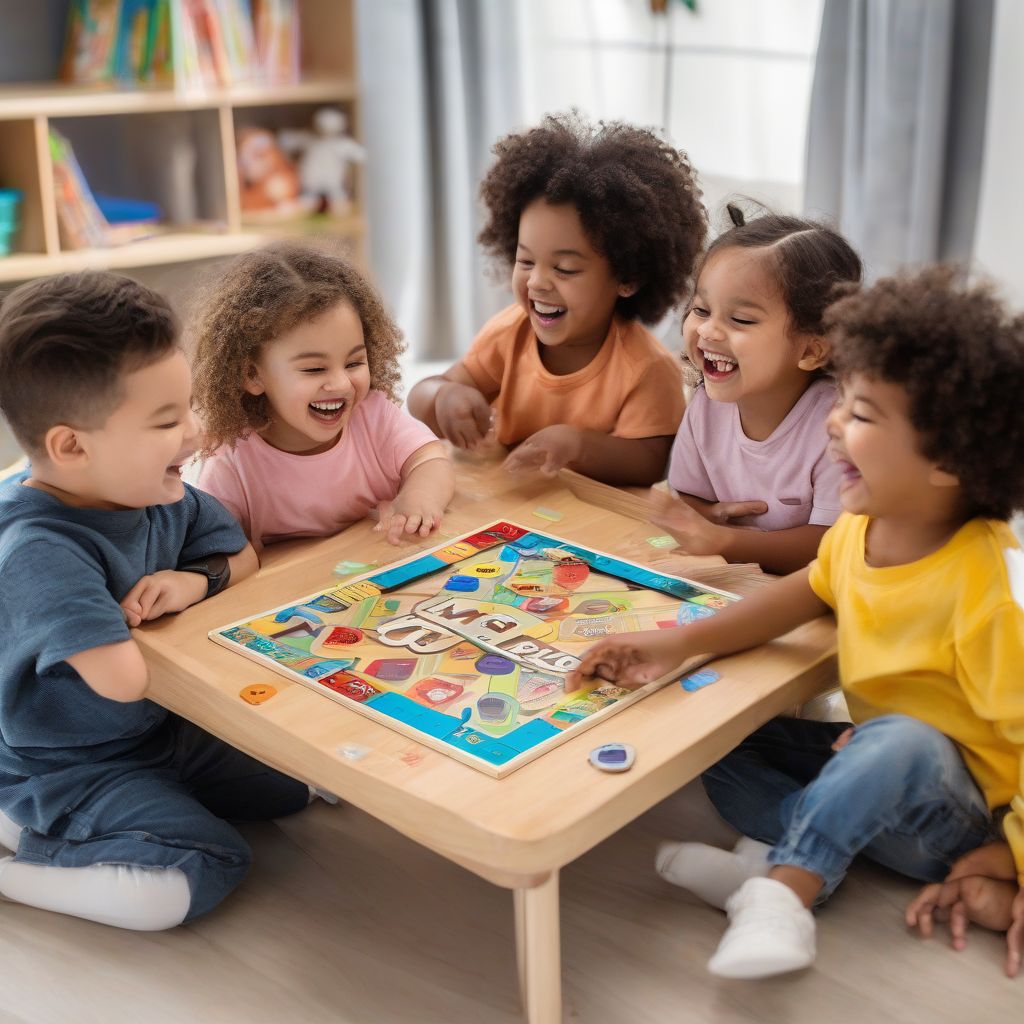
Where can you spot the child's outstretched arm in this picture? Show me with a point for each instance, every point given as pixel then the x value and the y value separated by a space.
pixel 428 483
pixel 452 406
pixel 633 659
pixel 778 551
pixel 624 461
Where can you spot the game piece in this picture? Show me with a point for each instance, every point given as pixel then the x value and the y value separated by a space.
pixel 549 514
pixel 698 680
pixel 346 568
pixel 613 757
pixel 476 672
pixel 257 693
pixel 352 751
pixel 662 541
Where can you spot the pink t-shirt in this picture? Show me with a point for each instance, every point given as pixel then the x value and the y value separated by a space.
pixel 276 495
pixel 713 459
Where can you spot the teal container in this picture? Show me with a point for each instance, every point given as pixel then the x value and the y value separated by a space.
pixel 10 202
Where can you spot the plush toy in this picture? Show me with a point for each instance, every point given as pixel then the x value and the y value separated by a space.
pixel 268 181
pixel 326 155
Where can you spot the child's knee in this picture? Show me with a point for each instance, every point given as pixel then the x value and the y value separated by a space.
pixel 215 871
pixel 901 741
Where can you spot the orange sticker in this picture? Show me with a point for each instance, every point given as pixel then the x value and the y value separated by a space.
pixel 257 693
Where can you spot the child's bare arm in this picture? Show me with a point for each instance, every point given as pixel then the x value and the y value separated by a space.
pixel 778 551
pixel 171 590
pixel 116 671
pixel 633 659
pixel 452 406
pixel 428 483
pixel 625 461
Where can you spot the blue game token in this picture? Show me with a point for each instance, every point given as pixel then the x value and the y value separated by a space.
pixel 463 584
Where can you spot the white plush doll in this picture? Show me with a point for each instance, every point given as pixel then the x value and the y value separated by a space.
pixel 326 154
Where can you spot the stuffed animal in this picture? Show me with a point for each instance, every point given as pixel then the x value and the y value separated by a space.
pixel 326 155
pixel 268 181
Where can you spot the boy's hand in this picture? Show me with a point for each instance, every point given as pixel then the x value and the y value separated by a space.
pixel 163 592
pixel 409 515
pixel 463 414
pixel 993 860
pixel 631 659
pixel 992 903
pixel 547 451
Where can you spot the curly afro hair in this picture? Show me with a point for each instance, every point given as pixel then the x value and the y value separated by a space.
pixel 636 196
pixel 262 295
pixel 960 356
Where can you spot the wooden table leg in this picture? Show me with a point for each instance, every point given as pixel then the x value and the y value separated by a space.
pixel 539 951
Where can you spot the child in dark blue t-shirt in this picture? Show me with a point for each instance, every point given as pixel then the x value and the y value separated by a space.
pixel 112 807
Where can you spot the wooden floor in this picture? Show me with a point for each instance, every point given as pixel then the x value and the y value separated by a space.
pixel 342 920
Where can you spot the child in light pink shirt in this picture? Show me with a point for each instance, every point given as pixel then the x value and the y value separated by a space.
pixel 749 460
pixel 294 380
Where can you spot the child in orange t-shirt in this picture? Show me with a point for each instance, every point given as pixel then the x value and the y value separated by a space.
pixel 601 228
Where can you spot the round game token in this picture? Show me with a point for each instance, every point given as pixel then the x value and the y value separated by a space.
pixel 494 665
pixel 613 757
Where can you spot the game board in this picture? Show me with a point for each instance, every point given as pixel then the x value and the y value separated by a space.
pixel 466 647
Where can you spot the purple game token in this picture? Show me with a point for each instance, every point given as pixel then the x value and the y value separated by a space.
pixel 494 665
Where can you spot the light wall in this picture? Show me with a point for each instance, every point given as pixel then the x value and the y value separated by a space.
pixel 1000 231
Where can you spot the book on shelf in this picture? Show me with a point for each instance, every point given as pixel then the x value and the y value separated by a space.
pixel 194 44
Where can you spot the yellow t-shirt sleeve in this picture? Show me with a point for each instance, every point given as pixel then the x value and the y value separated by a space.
pixel 990 670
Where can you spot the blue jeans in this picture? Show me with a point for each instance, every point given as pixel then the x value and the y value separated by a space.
pixel 170 815
pixel 898 792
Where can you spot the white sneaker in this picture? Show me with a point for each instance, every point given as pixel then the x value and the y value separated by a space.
pixel 770 932
pixel 710 873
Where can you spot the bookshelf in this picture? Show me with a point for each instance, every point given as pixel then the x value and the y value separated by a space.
pixel 172 147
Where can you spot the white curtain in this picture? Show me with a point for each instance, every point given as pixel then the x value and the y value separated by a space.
pixel 897 126
pixel 440 83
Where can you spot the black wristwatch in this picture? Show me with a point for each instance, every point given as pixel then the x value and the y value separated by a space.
pixel 214 567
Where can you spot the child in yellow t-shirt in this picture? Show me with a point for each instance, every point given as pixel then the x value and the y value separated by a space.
pixel 601 228
pixel 927 584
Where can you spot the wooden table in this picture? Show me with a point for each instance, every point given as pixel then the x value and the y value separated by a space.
pixel 516 832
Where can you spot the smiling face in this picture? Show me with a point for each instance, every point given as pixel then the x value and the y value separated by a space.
pixel 737 333
pixel 135 457
pixel 313 376
pixel 872 438
pixel 564 284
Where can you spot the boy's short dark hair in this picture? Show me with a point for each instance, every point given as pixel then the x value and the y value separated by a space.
pixel 65 344
pixel 960 356
pixel 636 196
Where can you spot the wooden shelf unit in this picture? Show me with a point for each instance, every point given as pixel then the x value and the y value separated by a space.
pixel 128 142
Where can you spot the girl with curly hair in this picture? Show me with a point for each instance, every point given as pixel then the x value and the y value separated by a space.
pixel 600 227
pixel 295 376
pixel 749 461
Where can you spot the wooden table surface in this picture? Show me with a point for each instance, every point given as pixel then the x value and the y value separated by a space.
pixel 517 831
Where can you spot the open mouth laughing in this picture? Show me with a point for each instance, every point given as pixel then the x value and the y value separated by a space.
pixel 547 314
pixel 716 365
pixel 329 413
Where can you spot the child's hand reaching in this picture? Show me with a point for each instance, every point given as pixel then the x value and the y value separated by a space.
pixel 163 592
pixel 409 515
pixel 463 414
pixel 547 451
pixel 705 532
pixel 993 903
pixel 630 659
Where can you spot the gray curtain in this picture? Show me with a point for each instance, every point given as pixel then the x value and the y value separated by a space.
pixel 897 124
pixel 439 84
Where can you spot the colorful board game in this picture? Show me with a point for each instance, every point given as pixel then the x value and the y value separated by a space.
pixel 466 647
